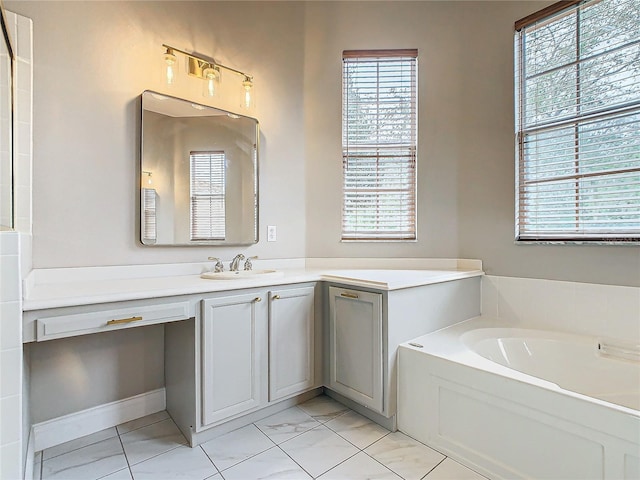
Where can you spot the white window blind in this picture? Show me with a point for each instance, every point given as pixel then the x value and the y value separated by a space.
pixel 149 215
pixel 578 122
pixel 207 195
pixel 379 124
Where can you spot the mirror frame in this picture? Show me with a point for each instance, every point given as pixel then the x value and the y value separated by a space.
pixel 12 61
pixel 198 243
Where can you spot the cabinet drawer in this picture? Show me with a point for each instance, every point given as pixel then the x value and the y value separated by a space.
pixel 62 326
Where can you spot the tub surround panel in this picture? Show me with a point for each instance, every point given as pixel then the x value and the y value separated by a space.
pixel 607 311
pixel 493 418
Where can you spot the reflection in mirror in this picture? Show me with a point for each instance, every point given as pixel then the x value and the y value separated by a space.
pixel 199 174
pixel 6 127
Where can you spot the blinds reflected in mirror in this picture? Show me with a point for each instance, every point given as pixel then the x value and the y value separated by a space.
pixel 149 215
pixel 207 195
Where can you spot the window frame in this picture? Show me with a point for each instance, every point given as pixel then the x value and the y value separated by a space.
pixel 220 156
pixel 581 234
pixel 398 188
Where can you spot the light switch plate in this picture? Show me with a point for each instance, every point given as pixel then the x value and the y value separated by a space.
pixel 272 233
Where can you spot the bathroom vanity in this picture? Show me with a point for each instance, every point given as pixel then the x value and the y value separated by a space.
pixel 239 350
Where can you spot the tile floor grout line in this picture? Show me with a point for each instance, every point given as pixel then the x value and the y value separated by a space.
pixel 340 463
pixel 297 435
pixel 143 426
pixel 115 427
pixel 157 455
pixel 248 458
pixel 125 454
pixel 435 466
pixel 387 467
pixel 212 462
pixel 293 460
pixel 120 470
pixel 78 448
pixel 361 449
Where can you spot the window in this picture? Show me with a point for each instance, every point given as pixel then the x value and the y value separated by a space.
pixel 379 91
pixel 578 122
pixel 207 195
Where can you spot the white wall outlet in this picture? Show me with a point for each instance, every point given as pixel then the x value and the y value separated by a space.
pixel 272 233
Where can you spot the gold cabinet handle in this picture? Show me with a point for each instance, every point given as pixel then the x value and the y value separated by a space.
pixel 124 320
pixel 276 297
pixel 257 299
pixel 349 295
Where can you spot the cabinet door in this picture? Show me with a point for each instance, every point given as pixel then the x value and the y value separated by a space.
pixel 355 346
pixel 291 340
pixel 233 344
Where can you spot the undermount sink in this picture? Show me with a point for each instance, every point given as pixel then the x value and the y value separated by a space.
pixel 241 274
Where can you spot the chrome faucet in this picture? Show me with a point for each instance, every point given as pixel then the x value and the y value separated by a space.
pixel 233 266
pixel 219 267
pixel 247 264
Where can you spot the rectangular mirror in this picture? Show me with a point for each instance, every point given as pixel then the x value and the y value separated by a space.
pixel 199 174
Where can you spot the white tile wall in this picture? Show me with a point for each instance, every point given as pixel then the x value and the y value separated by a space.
pixel 15 256
pixel 22 35
pixel 584 308
pixel 10 358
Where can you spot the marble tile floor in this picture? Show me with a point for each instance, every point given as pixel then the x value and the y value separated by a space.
pixel 317 439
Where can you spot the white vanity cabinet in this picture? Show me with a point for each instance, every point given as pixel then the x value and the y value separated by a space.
pixel 366 326
pixel 291 341
pixel 355 346
pixel 234 350
pixel 247 354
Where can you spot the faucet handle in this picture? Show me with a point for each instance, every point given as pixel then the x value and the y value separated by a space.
pixel 247 264
pixel 219 267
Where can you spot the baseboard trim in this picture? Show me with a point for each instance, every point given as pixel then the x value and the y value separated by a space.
pixel 386 422
pixel 78 424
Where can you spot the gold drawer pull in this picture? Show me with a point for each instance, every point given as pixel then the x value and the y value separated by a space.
pixel 349 295
pixel 276 297
pixel 124 320
pixel 257 299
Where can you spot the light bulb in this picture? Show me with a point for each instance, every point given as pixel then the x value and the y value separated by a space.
pixel 247 84
pixel 147 180
pixel 170 65
pixel 211 77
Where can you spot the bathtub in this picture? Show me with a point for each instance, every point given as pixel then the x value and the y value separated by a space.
pixel 521 403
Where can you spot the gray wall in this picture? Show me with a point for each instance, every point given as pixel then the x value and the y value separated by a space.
pixel 76 373
pixel 486 196
pixel 93 60
pixel 466 137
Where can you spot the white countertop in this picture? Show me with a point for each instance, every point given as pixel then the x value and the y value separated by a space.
pixel 56 288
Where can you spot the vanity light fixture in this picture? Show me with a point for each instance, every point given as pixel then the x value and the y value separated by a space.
pixel 206 69
pixel 147 180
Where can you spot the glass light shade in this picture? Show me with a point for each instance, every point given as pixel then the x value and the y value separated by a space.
pixel 248 94
pixel 211 77
pixel 169 67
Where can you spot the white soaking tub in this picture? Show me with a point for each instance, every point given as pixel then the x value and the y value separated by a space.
pixel 519 403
